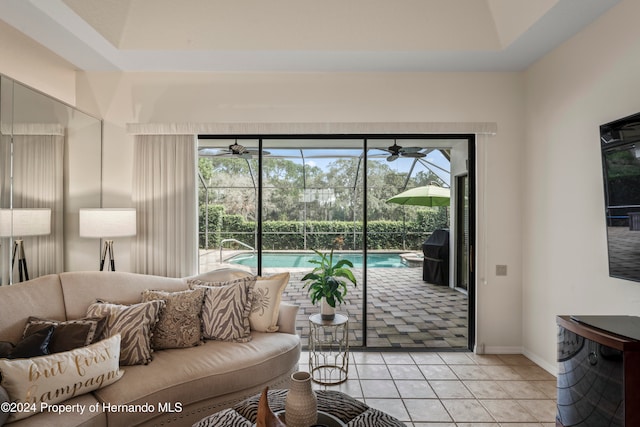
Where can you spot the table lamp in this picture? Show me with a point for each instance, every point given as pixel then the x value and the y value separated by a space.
pixel 106 223
pixel 23 222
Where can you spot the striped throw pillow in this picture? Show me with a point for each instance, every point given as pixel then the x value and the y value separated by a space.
pixel 226 309
pixel 134 323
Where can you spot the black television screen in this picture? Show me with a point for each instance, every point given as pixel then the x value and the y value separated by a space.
pixel 620 144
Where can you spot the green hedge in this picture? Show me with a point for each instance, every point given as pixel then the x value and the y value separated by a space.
pixel 215 215
pixel 322 235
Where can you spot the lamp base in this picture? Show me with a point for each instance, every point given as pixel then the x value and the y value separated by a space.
pixel 107 250
pixel 18 249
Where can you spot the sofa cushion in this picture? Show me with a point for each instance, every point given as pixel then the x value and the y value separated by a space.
pixel 265 305
pixel 57 377
pixel 134 323
pixel 179 324
pixel 81 288
pixel 69 334
pixel 41 296
pixel 226 309
pixel 195 374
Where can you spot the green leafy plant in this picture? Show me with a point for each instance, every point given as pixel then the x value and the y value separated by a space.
pixel 327 280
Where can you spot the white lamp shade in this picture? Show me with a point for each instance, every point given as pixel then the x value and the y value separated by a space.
pixel 25 222
pixel 107 222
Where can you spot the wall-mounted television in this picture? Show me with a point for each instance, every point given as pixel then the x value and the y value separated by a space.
pixel 620 145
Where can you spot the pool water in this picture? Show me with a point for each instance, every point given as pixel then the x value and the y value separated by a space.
pixel 292 259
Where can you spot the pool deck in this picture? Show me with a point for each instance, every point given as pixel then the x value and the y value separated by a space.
pixel 403 310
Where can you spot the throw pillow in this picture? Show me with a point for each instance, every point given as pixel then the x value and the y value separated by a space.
pixel 4 399
pixel 57 377
pixel 6 348
pixel 134 323
pixel 265 307
pixel 179 325
pixel 33 345
pixel 68 334
pixel 226 309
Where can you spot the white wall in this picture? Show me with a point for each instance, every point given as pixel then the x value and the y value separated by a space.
pixel 349 97
pixel 590 80
pixel 26 61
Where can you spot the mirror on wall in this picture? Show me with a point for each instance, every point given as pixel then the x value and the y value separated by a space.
pixel 50 167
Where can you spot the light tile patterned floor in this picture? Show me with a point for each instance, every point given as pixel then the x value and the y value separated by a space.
pixel 451 389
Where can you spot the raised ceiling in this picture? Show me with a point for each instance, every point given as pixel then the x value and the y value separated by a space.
pixel 301 35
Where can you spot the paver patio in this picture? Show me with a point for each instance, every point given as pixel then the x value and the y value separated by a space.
pixel 403 310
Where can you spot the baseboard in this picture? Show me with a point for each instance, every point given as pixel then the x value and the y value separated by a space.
pixel 552 368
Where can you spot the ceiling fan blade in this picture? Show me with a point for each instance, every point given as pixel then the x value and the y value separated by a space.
pixel 392 157
pixel 411 149
pixel 415 155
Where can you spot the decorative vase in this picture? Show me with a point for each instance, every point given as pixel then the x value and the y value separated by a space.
pixel 326 311
pixel 301 404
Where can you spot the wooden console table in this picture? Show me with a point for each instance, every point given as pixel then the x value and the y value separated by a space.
pixel 599 371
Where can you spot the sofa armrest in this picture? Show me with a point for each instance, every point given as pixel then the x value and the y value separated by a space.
pixel 287 318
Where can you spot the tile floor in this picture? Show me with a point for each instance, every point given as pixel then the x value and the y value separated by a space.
pixel 451 389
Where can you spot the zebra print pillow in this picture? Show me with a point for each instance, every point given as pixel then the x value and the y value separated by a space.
pixel 134 323
pixel 226 309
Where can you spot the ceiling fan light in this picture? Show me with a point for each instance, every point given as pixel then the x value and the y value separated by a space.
pixel 237 148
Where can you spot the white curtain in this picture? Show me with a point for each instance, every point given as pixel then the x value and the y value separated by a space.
pixel 38 162
pixel 164 195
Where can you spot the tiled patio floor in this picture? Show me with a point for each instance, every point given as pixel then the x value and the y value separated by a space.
pixel 403 310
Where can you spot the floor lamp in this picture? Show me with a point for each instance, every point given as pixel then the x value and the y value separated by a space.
pixel 19 223
pixel 107 223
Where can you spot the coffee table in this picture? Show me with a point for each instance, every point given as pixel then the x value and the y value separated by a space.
pixel 341 409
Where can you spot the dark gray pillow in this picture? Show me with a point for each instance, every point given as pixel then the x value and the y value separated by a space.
pixel 6 348
pixel 69 334
pixel 34 345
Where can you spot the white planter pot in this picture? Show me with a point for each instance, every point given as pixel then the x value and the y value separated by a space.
pixel 326 311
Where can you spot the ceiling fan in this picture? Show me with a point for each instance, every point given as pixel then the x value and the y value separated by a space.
pixel 234 150
pixel 397 151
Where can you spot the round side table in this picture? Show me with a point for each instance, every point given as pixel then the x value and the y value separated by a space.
pixel 329 349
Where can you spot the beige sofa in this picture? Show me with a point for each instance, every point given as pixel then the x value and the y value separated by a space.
pixel 193 382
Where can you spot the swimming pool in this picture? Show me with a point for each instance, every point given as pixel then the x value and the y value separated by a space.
pixel 301 259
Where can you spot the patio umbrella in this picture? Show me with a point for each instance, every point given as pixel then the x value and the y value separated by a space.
pixel 428 195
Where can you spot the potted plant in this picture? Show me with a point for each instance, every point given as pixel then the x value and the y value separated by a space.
pixel 328 282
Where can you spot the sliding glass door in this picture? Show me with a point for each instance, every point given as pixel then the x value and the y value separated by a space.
pixel 269 203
